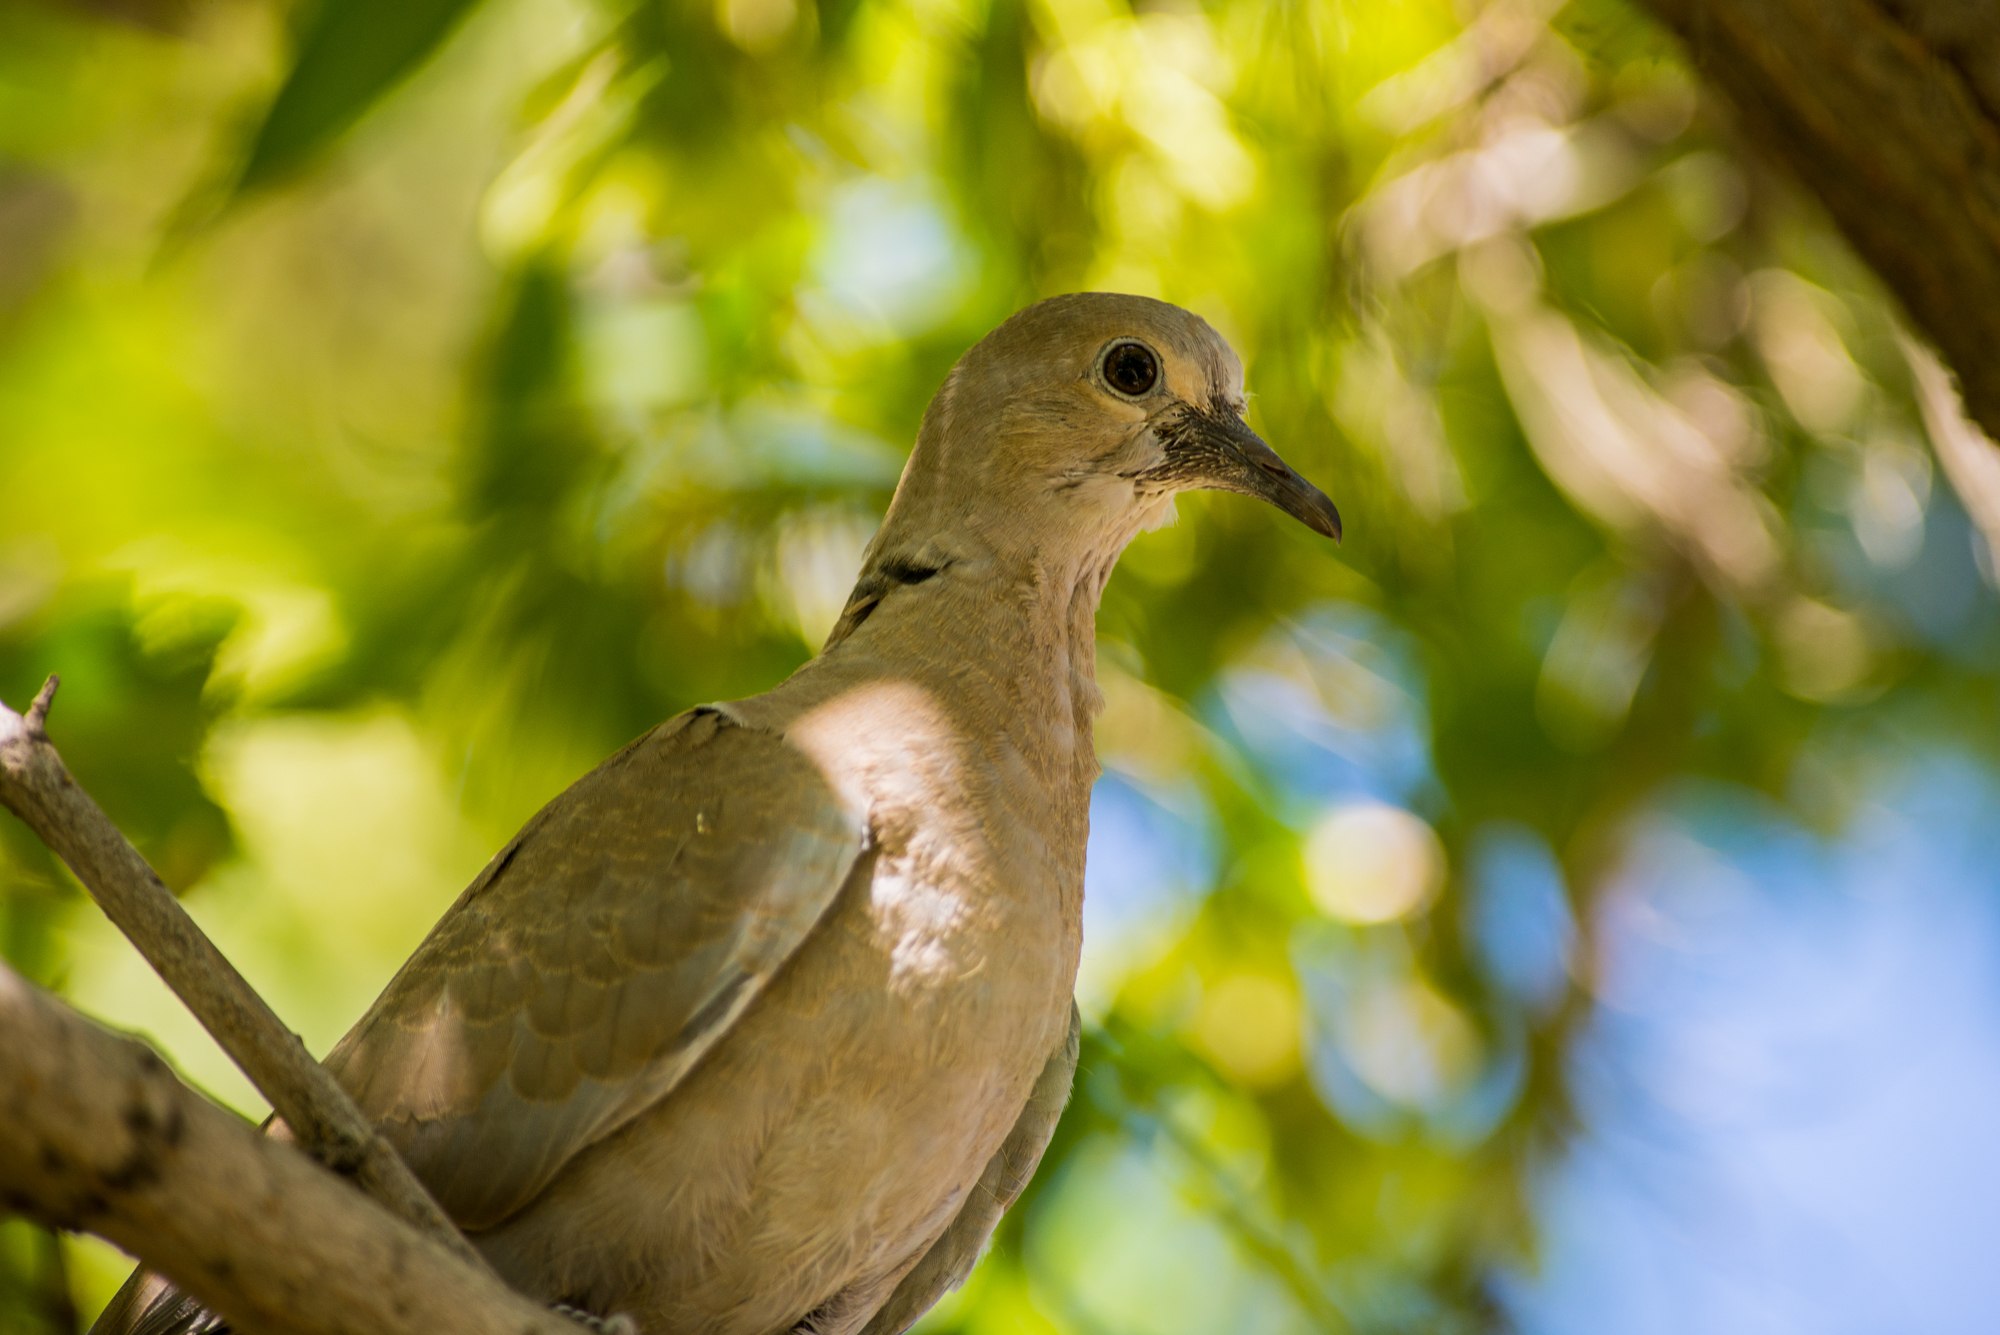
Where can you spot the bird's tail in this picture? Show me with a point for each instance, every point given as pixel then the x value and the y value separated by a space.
pixel 147 1304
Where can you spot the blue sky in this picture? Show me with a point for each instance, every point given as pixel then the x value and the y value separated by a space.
pixel 1788 1090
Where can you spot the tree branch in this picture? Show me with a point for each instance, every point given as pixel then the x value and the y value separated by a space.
pixel 35 786
pixel 96 1133
pixel 1889 111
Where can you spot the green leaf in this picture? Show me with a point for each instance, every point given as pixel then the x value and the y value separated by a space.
pixel 350 54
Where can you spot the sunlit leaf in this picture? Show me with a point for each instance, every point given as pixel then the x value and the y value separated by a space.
pixel 350 54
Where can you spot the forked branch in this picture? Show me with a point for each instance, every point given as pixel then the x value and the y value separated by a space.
pixel 96 1133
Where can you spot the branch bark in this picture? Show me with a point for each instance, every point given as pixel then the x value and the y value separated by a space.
pixel 1889 111
pixel 96 1133
pixel 35 785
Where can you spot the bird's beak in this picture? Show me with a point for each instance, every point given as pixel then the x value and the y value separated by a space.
pixel 1216 450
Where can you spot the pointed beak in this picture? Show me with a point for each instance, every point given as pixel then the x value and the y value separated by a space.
pixel 1217 451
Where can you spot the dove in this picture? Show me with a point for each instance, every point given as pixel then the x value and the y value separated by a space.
pixel 760 1026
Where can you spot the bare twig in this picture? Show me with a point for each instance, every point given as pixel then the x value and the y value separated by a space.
pixel 37 718
pixel 35 786
pixel 97 1134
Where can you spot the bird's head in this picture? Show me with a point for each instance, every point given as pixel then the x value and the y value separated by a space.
pixel 1079 419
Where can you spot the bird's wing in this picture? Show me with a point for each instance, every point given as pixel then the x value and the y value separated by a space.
pixel 950 1258
pixel 149 1304
pixel 598 957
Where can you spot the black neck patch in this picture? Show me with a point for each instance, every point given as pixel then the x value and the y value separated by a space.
pixel 891 572
pixel 908 570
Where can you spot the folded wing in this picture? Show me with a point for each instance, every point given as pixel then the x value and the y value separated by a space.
pixel 597 958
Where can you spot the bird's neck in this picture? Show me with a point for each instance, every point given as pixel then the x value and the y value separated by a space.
pixel 1010 641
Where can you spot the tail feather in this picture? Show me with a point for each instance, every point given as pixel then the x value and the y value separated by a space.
pixel 147 1304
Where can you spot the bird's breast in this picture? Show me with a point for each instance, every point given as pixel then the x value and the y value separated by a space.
pixel 976 846
pixel 983 897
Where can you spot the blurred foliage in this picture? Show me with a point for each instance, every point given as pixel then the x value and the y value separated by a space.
pixel 405 404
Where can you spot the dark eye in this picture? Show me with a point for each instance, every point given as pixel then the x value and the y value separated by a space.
pixel 1131 369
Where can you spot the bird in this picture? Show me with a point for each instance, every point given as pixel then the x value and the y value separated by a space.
pixel 760 1026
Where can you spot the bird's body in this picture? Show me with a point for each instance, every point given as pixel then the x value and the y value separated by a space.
pixel 914 1018
pixel 758 1027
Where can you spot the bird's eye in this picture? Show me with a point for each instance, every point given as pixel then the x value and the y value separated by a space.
pixel 1131 369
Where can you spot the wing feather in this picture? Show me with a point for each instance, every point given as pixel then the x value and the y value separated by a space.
pixel 577 980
